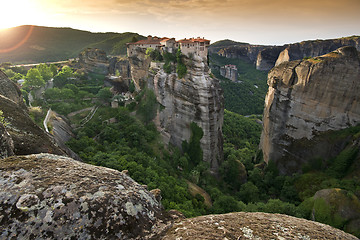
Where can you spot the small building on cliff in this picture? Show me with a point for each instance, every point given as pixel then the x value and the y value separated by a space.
pixel 229 72
pixel 198 46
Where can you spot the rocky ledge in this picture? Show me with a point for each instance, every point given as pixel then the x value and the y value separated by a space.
pixel 46 196
pixel 242 225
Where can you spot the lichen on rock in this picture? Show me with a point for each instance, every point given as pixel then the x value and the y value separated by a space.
pixel 48 196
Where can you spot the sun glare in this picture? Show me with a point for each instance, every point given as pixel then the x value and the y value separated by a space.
pixel 19 12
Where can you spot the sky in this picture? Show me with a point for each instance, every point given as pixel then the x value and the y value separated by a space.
pixel 269 22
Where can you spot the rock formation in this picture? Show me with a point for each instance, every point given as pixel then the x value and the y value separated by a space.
pixel 45 196
pixel 94 60
pixel 10 90
pixel 307 98
pixel 120 72
pixel 258 225
pixel 315 48
pixel 26 135
pixel 195 98
pixel 343 209
pixel 266 57
pixel 6 143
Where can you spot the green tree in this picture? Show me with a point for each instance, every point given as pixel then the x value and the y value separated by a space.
pixel 193 148
pixel 34 79
pixel 249 193
pixel 54 69
pixel 104 94
pixel 45 72
pixel 2 118
pixel 63 77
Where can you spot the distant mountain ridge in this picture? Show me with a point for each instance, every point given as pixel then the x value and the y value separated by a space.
pixel 53 44
pixel 266 57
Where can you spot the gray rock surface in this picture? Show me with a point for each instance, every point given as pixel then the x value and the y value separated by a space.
pixel 27 137
pixel 306 98
pixel 47 196
pixel 6 143
pixel 195 98
pixel 10 90
pixel 242 225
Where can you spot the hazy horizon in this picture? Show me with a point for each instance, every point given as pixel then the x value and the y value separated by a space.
pixel 274 22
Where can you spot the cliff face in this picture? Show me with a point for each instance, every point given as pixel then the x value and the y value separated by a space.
pixel 45 196
pixel 305 99
pixel 195 98
pixel 6 143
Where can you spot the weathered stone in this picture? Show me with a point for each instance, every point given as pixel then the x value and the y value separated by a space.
pixel 343 208
pixel 195 98
pixel 244 225
pixel 6 143
pixel 307 98
pixel 45 196
pixel 10 90
pixel 27 137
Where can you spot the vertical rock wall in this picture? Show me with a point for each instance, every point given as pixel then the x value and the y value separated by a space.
pixel 195 98
pixel 305 99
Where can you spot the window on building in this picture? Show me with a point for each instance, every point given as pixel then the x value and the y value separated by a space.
pixel 201 48
pixel 202 44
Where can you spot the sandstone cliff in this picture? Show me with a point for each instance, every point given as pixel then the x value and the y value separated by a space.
pixel 307 98
pixel 120 72
pixel 242 225
pixel 46 196
pixel 195 98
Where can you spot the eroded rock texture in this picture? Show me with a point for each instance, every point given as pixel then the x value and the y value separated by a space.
pixel 195 98
pixel 6 143
pixel 46 196
pixel 26 135
pixel 242 225
pixel 307 98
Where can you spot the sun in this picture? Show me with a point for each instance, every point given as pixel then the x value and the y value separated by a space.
pixel 19 12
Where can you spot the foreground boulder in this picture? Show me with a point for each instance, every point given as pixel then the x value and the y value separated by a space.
pixel 252 226
pixel 47 196
pixel 337 207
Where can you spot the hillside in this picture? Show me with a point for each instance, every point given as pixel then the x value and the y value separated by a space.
pixel 32 44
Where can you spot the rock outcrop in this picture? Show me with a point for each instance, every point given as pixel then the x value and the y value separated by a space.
pixel 342 209
pixel 10 90
pixel 307 98
pixel 94 60
pixel 45 196
pixel 244 225
pixel 308 49
pixel 195 98
pixel 120 75
pixel 26 135
pixel 6 143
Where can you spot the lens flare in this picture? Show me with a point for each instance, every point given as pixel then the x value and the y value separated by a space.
pixel 20 43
